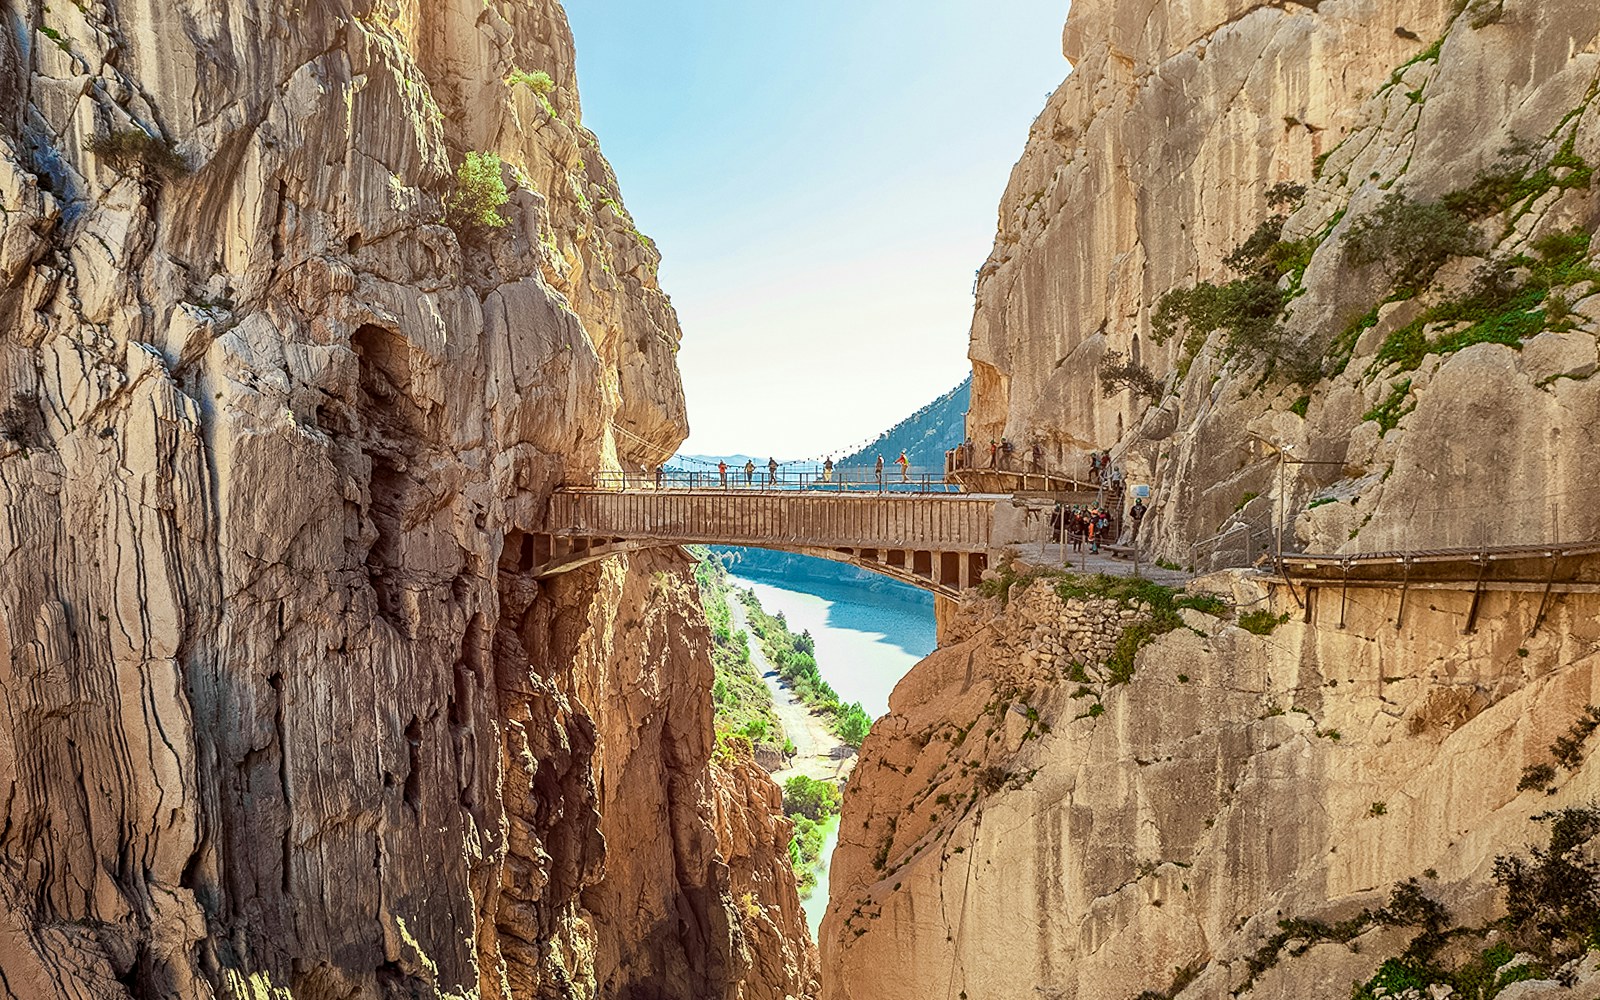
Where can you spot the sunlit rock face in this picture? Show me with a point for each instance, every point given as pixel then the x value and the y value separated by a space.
pixel 1155 160
pixel 286 716
pixel 1021 824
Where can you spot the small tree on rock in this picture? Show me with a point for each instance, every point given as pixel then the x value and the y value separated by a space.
pixel 480 191
pixel 1119 374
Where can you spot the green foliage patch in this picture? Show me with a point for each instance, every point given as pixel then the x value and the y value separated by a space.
pixel 1410 240
pixel 1250 308
pixel 1119 374
pixel 1502 304
pixel 479 193
pixel 1389 412
pixel 1261 621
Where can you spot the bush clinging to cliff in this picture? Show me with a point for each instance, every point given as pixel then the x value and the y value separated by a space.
pixel 1411 240
pixel 127 147
pixel 479 193
pixel 1118 374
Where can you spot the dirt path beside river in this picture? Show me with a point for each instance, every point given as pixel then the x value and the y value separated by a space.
pixel 815 744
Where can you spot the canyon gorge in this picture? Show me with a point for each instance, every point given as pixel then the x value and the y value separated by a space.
pixel 306 314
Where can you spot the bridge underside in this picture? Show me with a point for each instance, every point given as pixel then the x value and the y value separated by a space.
pixel 943 573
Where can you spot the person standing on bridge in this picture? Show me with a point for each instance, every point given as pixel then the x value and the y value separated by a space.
pixel 749 471
pixel 905 466
pixel 772 471
pixel 880 473
pixel 827 469
pixel 722 473
pixel 659 473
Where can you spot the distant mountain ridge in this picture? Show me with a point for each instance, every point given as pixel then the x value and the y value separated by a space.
pixel 924 436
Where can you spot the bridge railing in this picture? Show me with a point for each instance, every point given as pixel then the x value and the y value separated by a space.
pixel 818 519
pixel 761 479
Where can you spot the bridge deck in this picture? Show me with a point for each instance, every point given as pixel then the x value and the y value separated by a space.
pixel 946 522
pixel 938 541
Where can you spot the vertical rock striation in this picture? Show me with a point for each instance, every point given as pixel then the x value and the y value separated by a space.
pixel 285 717
pixel 1022 824
pixel 1185 127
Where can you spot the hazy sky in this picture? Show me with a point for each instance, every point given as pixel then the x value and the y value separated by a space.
pixel 822 179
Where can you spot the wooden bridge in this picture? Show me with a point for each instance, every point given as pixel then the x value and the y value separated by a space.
pixel 936 541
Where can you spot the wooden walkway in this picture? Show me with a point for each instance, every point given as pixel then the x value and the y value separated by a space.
pixel 936 541
pixel 1547 570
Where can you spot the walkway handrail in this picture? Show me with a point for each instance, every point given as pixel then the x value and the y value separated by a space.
pixel 840 480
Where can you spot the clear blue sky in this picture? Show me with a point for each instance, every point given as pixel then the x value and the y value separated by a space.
pixel 822 179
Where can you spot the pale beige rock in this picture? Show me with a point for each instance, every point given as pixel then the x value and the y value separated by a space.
pixel 1552 355
pixel 1152 162
pixel 1236 780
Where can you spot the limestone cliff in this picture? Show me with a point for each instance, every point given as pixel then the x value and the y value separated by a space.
pixel 1351 244
pixel 1186 131
pixel 1022 825
pixel 285 717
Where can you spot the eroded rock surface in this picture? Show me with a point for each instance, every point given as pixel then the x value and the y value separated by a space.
pixel 285 716
pixel 1155 160
pixel 1019 828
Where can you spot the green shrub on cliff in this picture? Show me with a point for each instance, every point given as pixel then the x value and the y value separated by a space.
pixel 1505 302
pixel 1250 308
pixel 480 191
pixel 537 81
pixel 1410 240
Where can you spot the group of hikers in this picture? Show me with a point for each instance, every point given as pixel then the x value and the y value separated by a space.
pixel 773 466
pixel 1001 455
pixel 1094 524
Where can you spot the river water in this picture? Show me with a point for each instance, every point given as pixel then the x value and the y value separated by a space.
pixel 866 641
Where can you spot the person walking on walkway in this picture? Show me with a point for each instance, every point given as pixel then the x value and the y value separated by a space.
pixel 749 471
pixel 905 466
pixel 994 453
pixel 1137 515
pixel 1094 466
pixel 1038 457
pixel 880 473
pixel 772 471
pixel 722 473
pixel 658 477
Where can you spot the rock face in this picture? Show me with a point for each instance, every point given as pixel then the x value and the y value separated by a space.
pixel 1012 830
pixel 286 717
pixel 1156 158
pixel 1021 824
